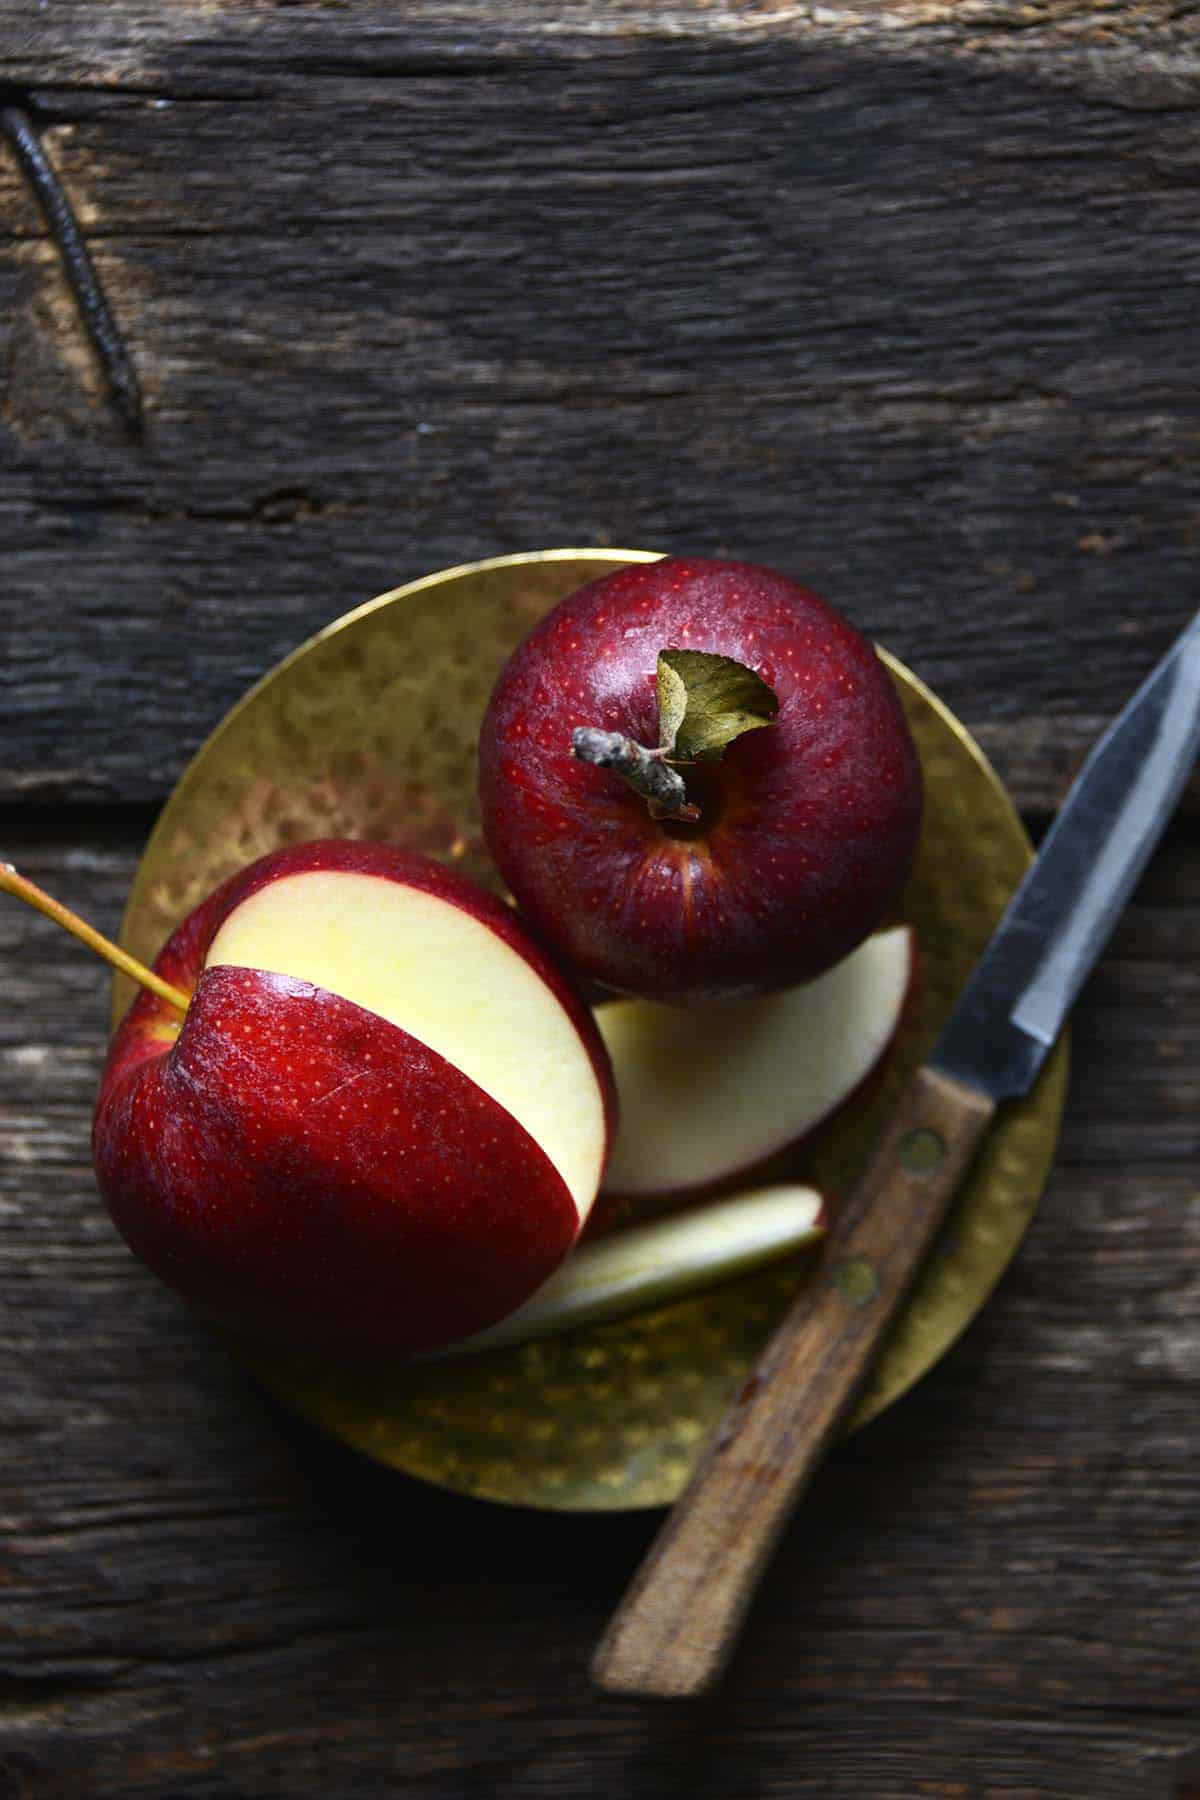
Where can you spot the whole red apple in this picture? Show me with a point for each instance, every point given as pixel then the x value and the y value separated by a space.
pixel 784 854
pixel 383 1118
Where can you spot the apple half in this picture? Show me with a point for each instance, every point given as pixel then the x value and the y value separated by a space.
pixel 708 1094
pixel 383 1120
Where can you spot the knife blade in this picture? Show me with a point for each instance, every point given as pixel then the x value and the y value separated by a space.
pixel 1062 914
pixel 674 1632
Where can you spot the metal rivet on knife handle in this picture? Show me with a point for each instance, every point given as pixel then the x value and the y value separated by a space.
pixel 922 1151
pixel 858 1280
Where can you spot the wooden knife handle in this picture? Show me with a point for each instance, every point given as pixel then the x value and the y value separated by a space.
pixel 676 1628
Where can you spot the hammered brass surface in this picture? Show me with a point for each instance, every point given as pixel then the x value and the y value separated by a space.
pixel 369 731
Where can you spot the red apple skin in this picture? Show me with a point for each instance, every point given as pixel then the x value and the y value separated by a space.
pixel 308 1174
pixel 809 826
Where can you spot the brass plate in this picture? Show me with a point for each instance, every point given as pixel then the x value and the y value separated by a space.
pixel 369 731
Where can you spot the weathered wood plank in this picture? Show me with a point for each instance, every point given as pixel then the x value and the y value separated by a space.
pixel 257 47
pixel 901 299
pixel 991 1590
pixel 906 313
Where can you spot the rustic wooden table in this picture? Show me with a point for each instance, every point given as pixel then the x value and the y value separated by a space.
pixel 902 300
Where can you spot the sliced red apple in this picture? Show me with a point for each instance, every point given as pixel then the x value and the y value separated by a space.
pixel 667 1259
pixel 707 1094
pixel 445 976
pixel 382 1120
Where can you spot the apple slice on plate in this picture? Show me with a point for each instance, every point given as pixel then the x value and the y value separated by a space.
pixel 711 1093
pixel 666 1259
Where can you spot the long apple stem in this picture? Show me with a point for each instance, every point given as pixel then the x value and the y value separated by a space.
pixel 24 889
pixel 645 770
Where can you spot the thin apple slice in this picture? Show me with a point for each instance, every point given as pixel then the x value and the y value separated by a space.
pixel 449 979
pixel 708 1094
pixel 668 1259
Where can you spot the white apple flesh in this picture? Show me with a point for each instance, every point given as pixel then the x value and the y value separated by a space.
pixel 708 1094
pixel 446 978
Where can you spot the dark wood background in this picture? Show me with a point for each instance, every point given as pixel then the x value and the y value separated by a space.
pixel 900 299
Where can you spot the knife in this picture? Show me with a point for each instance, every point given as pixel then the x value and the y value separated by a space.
pixel 677 1626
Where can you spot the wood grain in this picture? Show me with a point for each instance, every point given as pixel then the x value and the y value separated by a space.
pixel 900 302
pixel 899 298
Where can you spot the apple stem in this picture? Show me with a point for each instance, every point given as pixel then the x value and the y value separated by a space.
pixel 13 883
pixel 646 771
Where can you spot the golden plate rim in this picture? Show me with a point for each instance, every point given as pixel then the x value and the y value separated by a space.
pixel 121 991
pixel 1052 1085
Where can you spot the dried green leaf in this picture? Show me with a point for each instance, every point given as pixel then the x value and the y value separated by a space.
pixel 722 699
